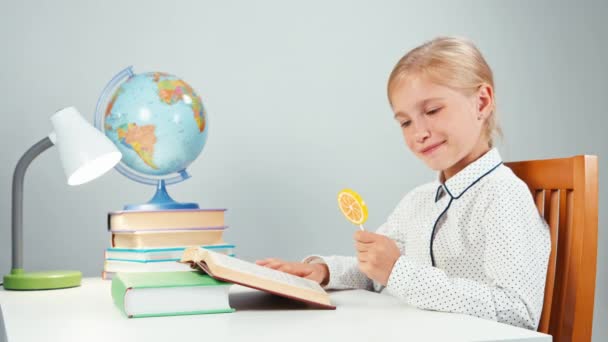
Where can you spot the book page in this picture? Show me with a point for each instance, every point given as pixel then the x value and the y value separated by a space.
pixel 264 272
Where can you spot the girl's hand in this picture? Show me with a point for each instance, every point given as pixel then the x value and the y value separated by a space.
pixel 377 254
pixel 315 272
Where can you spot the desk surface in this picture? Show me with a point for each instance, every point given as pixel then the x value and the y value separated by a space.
pixel 87 313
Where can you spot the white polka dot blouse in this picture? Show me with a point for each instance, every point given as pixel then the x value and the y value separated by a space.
pixel 475 244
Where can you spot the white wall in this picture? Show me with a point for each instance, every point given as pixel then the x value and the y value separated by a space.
pixel 297 108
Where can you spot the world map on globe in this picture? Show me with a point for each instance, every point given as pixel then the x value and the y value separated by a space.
pixel 157 121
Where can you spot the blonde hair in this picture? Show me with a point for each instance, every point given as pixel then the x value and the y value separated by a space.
pixel 453 62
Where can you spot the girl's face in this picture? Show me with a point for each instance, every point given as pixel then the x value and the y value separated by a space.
pixel 441 126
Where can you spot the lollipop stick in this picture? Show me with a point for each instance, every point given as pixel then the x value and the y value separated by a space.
pixel 361 227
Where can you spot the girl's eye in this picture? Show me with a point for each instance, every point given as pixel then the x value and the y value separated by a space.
pixel 405 123
pixel 433 111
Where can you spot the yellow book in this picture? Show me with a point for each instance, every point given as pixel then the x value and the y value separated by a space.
pixel 233 270
pixel 165 219
pixel 173 238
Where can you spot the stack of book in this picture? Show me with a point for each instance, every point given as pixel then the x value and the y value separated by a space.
pixel 154 241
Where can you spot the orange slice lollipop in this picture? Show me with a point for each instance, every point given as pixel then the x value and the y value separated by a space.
pixel 353 207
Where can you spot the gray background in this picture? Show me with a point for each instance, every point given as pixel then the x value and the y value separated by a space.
pixel 295 93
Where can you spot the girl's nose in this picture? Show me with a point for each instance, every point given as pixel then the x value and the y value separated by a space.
pixel 421 133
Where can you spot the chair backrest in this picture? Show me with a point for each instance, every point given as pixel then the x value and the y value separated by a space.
pixel 566 194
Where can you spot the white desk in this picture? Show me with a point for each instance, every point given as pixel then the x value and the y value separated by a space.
pixel 87 313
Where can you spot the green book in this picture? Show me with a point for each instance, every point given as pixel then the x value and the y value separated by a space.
pixel 151 294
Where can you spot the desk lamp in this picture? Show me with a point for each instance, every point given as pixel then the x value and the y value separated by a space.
pixel 85 154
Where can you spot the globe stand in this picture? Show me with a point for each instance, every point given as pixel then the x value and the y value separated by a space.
pixel 161 201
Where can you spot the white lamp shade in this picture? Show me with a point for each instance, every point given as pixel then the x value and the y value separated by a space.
pixel 84 151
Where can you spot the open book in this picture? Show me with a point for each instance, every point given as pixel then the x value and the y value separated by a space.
pixel 233 270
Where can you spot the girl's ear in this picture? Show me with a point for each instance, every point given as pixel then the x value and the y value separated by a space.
pixel 485 101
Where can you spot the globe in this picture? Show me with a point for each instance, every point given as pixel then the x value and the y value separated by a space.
pixel 158 123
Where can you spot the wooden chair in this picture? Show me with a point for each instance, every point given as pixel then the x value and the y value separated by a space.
pixel 566 195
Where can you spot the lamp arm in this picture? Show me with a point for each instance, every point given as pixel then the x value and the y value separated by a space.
pixel 17 209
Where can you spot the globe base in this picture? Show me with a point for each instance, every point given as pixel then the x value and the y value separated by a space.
pixel 161 201
pixel 163 206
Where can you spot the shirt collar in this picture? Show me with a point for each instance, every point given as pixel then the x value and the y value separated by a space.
pixel 467 177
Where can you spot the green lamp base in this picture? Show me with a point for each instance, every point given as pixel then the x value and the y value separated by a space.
pixel 21 280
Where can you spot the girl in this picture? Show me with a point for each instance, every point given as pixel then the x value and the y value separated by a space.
pixel 471 242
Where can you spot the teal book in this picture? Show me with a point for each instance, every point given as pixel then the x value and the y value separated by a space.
pixel 159 254
pixel 151 294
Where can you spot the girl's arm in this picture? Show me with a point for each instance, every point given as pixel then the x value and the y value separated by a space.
pixel 344 271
